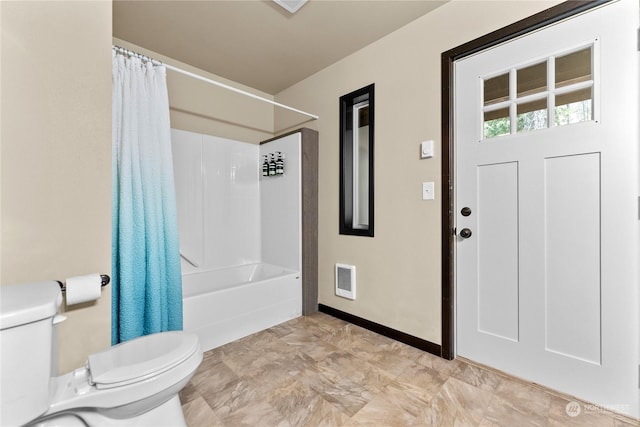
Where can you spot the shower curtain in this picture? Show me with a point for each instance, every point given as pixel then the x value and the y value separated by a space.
pixel 147 282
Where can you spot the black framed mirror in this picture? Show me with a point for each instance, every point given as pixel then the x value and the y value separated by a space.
pixel 356 162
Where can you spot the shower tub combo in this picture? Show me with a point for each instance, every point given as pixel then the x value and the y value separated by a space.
pixel 224 305
pixel 240 235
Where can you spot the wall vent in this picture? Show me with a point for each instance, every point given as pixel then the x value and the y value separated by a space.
pixel 346 281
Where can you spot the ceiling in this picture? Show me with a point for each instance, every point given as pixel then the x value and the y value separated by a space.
pixel 257 42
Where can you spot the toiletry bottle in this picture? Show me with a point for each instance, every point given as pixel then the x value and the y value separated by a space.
pixel 280 164
pixel 265 166
pixel 272 165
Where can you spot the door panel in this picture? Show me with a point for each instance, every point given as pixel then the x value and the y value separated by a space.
pixel 572 246
pixel 498 249
pixel 547 281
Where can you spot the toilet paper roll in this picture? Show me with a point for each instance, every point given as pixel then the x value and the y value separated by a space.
pixel 83 288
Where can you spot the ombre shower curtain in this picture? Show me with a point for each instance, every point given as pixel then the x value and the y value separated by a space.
pixel 147 282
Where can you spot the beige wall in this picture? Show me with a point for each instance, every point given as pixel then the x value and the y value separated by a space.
pixel 200 107
pixel 55 200
pixel 56 156
pixel 398 271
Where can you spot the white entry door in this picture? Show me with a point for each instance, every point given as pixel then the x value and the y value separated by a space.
pixel 547 189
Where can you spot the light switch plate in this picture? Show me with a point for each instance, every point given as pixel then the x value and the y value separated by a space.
pixel 428 189
pixel 426 149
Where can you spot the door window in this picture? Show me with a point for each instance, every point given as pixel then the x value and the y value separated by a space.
pixel 554 92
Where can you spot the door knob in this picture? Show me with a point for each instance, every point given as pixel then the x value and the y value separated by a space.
pixel 465 233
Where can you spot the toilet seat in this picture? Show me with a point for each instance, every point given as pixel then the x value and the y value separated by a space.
pixel 140 359
pixel 124 384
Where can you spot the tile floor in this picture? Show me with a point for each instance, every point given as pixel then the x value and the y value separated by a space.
pixel 321 371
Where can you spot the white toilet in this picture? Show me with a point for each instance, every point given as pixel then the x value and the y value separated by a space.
pixel 135 383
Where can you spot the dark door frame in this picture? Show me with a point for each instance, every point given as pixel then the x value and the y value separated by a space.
pixel 542 19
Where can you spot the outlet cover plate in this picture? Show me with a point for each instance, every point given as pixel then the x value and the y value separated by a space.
pixel 428 189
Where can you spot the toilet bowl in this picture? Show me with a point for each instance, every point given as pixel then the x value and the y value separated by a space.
pixel 132 383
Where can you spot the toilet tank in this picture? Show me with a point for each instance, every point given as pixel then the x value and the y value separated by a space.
pixel 26 345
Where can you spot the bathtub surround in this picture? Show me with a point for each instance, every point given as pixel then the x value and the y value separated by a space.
pixel 280 206
pixel 252 237
pixel 147 282
pixel 218 198
pixel 309 191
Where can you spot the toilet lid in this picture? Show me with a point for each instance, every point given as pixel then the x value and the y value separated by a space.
pixel 141 358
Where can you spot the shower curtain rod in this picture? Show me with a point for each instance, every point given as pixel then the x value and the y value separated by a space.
pixel 213 82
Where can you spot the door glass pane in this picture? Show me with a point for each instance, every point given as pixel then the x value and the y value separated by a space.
pixel 573 68
pixel 532 115
pixel 574 107
pixel 571 84
pixel 532 79
pixel 496 89
pixel 497 123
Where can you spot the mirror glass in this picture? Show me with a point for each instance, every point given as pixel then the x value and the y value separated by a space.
pixel 356 162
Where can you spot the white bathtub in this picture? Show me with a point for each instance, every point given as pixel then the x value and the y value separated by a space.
pixel 224 305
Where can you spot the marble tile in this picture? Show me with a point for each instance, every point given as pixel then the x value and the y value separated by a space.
pixel 269 377
pixel 295 363
pixel 357 370
pixel 336 389
pixel 292 399
pixel 320 329
pixel 394 357
pixel 508 413
pixel 318 350
pixel 488 423
pixel 210 360
pixel 437 413
pixel 428 379
pixel 211 357
pixel 322 413
pixel 524 398
pixel 327 321
pixel 346 398
pixel 470 402
pixel 301 405
pixel 257 414
pixel 188 393
pixel 243 359
pixel 301 338
pixel 382 412
pixel 438 363
pixel 315 325
pixel 321 371
pixel 354 338
pixel 283 329
pixel 259 340
pixel 216 376
pixel 467 419
pixel 477 376
pixel 197 413
pixel 234 396
pixel 410 397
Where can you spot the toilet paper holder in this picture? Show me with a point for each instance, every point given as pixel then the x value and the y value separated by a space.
pixel 104 281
